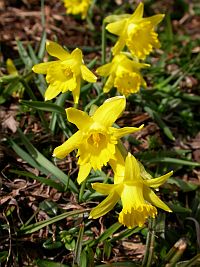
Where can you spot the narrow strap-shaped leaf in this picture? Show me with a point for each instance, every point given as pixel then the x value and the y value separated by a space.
pixel 39 225
pixel 45 106
pixel 43 161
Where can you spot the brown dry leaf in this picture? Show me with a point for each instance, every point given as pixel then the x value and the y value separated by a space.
pixel 11 124
pixel 138 248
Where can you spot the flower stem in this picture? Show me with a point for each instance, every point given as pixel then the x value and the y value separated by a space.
pixel 149 244
pixel 103 43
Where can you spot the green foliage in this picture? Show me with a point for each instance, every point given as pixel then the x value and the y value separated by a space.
pixel 59 224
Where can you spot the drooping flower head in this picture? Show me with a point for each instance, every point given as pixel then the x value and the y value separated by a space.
pixel 137 197
pixel 65 73
pixel 124 74
pixel 76 7
pixel 136 32
pixel 96 139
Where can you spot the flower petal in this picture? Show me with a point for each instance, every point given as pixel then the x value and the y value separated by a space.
pixel 104 70
pixel 87 75
pixel 119 45
pixel 84 171
pixel 151 197
pixel 138 13
pixel 117 165
pixel 11 69
pixel 80 118
pixel 111 109
pixel 155 19
pixel 156 182
pixel 71 144
pixel 109 83
pixel 56 50
pixel 76 91
pixel 78 56
pixel 116 27
pixel 118 133
pixel 132 169
pixel 52 91
pixel 42 67
pixel 104 189
pixel 105 206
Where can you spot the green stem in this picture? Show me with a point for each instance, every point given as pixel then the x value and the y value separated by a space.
pixel 149 244
pixel 43 21
pixel 103 43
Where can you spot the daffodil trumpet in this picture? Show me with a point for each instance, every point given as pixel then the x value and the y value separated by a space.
pixel 139 201
pixel 96 138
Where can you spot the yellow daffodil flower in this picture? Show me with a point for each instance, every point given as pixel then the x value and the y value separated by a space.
pixel 11 67
pixel 137 197
pixel 124 74
pixel 77 7
pixel 65 73
pixel 96 139
pixel 136 32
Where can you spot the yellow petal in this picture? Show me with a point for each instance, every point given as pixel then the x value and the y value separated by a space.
pixel 118 166
pixel 78 56
pixel 151 197
pixel 56 50
pixel 87 75
pixel 119 44
pixel 156 182
pixel 80 118
pixel 52 91
pixel 84 171
pixel 155 19
pixel 76 91
pixel 72 143
pixel 132 169
pixel 117 27
pixel 138 13
pixel 104 189
pixel 109 83
pixel 105 206
pixel 111 109
pixel 42 67
pixel 118 133
pixel 133 219
pixel 104 70
pixel 11 67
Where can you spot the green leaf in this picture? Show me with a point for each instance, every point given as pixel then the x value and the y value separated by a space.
pixel 24 55
pixel 3 256
pixel 29 229
pixel 78 248
pixel 184 186
pixel 155 116
pixel 49 181
pixel 38 161
pixel 107 233
pixel 45 106
pixel 42 48
pixel 120 264
pixel 47 263
pixel 174 161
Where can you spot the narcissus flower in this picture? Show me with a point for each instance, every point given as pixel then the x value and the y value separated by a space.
pixel 65 73
pixel 136 32
pixel 96 139
pixel 124 74
pixel 75 7
pixel 137 197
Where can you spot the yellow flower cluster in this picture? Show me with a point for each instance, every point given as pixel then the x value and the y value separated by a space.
pixel 76 7
pixel 97 140
pixel 139 36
